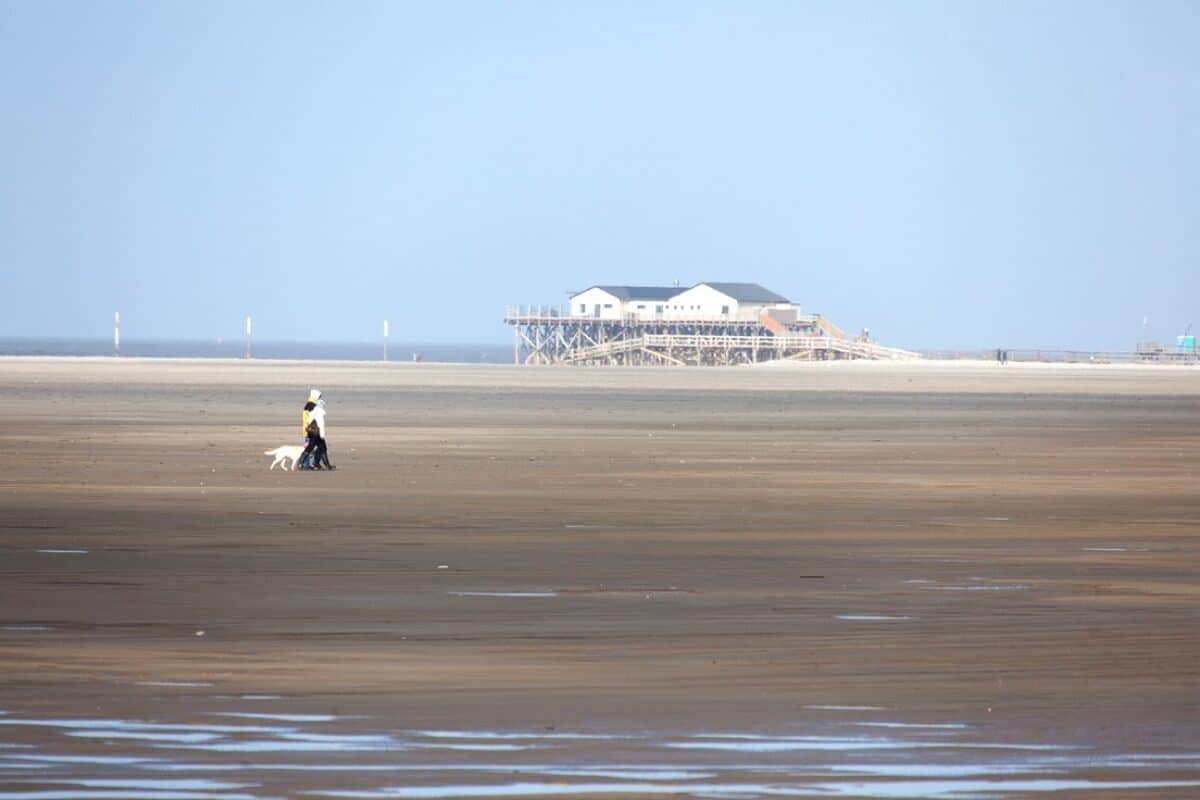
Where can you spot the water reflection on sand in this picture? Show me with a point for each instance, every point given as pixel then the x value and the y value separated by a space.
pixel 861 752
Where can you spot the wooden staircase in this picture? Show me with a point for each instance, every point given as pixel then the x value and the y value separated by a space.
pixel 773 325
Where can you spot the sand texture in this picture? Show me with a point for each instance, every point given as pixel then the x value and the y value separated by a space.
pixel 847 580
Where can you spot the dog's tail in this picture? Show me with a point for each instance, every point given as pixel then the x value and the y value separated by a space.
pixel 269 452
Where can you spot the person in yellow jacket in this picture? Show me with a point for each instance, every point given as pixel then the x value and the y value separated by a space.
pixel 312 421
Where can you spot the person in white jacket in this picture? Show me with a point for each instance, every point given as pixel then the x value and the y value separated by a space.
pixel 321 451
pixel 312 421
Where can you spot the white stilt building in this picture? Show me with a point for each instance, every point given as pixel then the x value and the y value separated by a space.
pixel 712 323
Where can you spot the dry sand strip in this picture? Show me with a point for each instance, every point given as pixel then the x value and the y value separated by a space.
pixel 855 579
pixel 961 376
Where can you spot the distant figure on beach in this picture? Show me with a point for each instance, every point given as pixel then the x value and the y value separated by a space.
pixel 306 424
pixel 312 419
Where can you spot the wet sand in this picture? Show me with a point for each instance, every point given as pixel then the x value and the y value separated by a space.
pixel 829 579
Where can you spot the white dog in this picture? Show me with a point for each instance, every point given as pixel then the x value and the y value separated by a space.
pixel 282 454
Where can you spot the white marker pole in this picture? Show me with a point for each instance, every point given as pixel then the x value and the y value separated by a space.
pixel 385 339
pixel 117 334
pixel 248 330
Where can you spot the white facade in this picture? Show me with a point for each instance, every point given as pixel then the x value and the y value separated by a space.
pixel 700 302
pixel 643 308
pixel 705 302
pixel 598 303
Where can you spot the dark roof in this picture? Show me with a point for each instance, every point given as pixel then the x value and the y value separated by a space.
pixel 747 292
pixel 641 292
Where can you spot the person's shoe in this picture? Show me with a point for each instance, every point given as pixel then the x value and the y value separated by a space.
pixel 330 467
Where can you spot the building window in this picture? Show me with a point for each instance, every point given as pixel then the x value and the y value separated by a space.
pixel 608 305
pixel 583 308
pixel 724 309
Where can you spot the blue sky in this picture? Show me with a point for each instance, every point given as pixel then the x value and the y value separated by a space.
pixel 950 174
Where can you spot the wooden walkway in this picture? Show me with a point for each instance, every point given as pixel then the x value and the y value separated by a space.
pixel 694 350
pixel 548 336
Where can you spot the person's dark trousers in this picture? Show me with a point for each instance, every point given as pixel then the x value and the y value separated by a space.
pixel 310 445
pixel 321 454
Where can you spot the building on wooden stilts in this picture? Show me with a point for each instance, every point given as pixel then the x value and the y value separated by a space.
pixel 709 324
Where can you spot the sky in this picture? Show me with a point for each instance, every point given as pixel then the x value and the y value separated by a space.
pixel 949 174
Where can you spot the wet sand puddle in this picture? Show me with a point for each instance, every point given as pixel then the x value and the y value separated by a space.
pixel 974 583
pixel 254 755
pixel 590 591
pixel 504 594
pixel 25 628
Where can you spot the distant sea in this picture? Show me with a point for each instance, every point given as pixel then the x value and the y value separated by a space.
pixel 287 351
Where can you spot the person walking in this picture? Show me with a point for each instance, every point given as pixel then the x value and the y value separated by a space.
pixel 321 450
pixel 312 422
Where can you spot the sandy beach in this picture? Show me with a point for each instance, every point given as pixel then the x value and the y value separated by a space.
pixel 839 579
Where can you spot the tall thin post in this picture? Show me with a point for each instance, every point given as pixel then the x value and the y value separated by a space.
pixel 117 334
pixel 249 330
pixel 385 339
